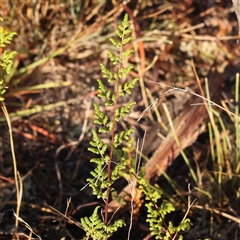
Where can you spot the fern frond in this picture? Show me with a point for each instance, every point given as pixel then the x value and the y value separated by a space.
pixel 105 173
pixel 6 59
pixel 115 42
pixel 5 36
pixel 123 111
pixel 98 146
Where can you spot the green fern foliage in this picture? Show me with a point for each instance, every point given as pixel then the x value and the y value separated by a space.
pixel 157 214
pixel 96 229
pixel 111 160
pixel 6 57
pixel 102 180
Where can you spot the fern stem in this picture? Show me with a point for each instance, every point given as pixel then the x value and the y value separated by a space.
pixel 113 134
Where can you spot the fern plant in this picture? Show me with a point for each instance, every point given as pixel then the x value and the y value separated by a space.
pixel 111 161
pixel 157 214
pixel 6 57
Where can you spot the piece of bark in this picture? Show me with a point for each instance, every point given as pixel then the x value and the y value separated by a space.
pixel 187 127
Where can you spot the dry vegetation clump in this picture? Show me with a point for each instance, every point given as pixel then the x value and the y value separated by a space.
pixel 60 45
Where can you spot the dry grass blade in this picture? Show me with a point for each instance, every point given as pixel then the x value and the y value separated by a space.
pixel 17 178
pixel 35 109
pixel 37 88
pixel 28 227
pixel 226 215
